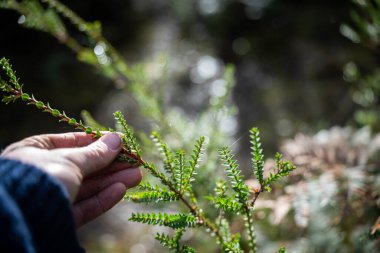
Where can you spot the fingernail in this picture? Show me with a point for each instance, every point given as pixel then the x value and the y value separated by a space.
pixel 112 140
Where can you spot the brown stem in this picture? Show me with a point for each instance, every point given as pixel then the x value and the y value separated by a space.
pixel 255 196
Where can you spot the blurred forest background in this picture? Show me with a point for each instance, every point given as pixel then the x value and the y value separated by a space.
pixel 289 58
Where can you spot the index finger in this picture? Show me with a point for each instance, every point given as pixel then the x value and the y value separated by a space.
pixel 53 141
pixel 70 140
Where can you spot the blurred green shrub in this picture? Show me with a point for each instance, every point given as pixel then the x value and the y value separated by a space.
pixel 365 88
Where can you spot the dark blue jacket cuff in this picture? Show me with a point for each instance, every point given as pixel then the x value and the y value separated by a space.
pixel 35 213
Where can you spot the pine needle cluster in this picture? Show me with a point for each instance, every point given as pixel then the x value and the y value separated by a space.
pixel 177 178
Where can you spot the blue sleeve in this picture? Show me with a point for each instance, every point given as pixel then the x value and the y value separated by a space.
pixel 35 214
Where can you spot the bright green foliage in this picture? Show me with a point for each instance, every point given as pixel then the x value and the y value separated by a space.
pixel 173 243
pixel 233 174
pixel 152 196
pixel 128 137
pixel 227 204
pixel 8 82
pixel 221 188
pixel 163 219
pixel 283 169
pixel 257 155
pixel 166 241
pixel 233 246
pixel 179 170
pixel 176 184
pixel 230 243
pixel 281 250
pixel 151 193
pixel 222 201
pixel 165 151
pixel 193 163
pixel 240 202
pixel 187 249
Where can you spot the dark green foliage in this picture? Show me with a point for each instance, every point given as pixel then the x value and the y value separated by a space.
pixel 374 235
pixel 366 19
pixel 163 219
pixel 257 155
pixel 365 29
pixel 36 17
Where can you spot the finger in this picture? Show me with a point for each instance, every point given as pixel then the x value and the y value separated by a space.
pixel 95 156
pixel 90 187
pixel 70 140
pixel 91 208
pixel 53 141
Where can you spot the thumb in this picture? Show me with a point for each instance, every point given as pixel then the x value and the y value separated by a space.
pixel 97 155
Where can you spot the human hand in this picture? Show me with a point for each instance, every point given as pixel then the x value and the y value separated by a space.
pixel 85 167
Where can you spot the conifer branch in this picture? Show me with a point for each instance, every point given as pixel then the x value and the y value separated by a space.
pixel 173 243
pixel 13 91
pixel 195 210
pixel 92 30
pixel 154 194
pixel 163 219
pixel 283 169
pixel 128 138
pixel 178 186
pixel 166 153
pixel 257 155
pixel 248 222
pixel 179 168
pixel 194 162
pixel 44 20
pixel 166 241
pixel 238 185
pixel 233 174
